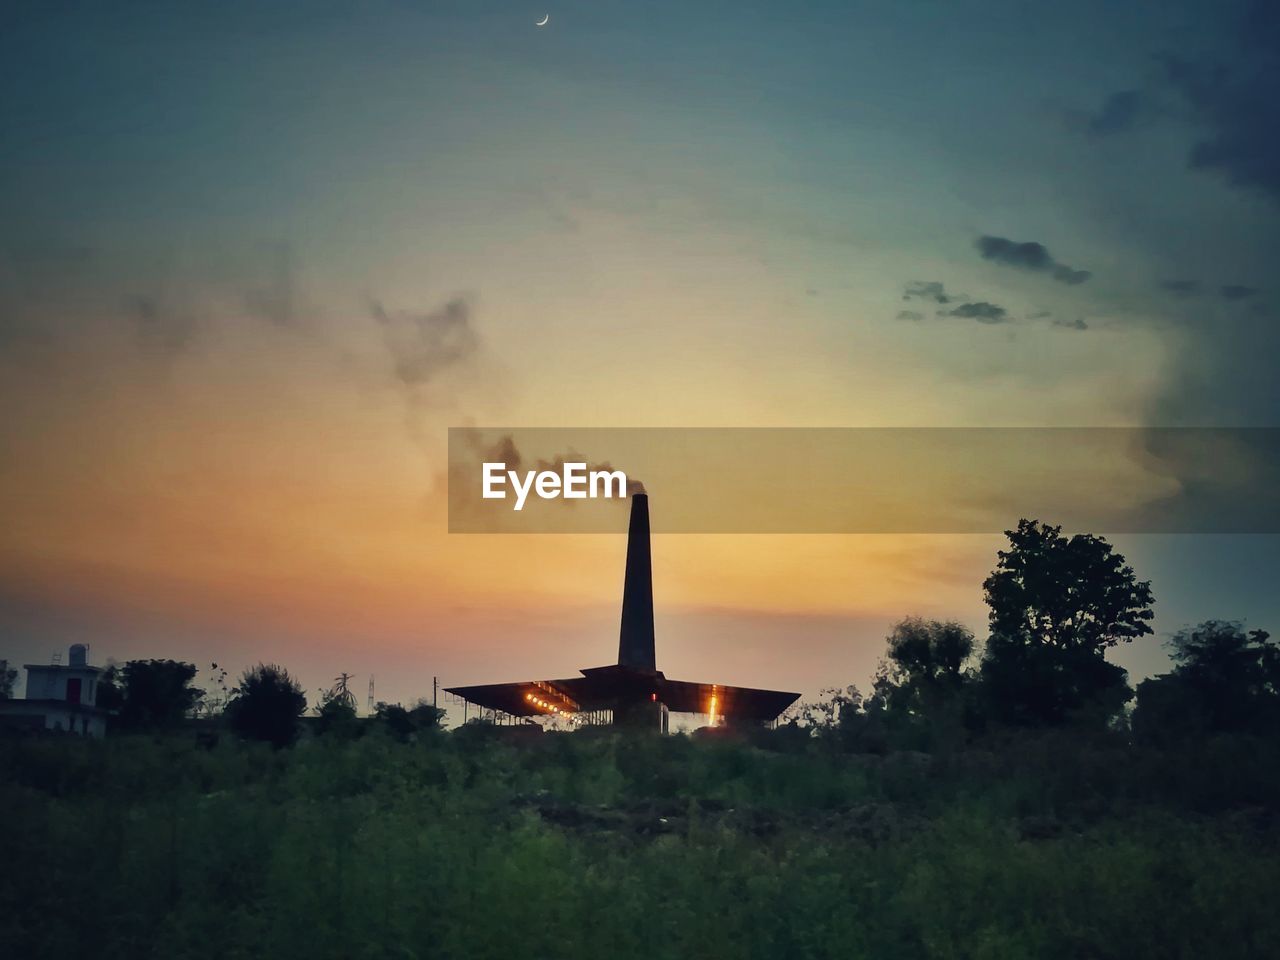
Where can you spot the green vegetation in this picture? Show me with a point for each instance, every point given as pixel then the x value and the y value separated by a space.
pixel 471 845
pixel 149 694
pixel 266 705
pixel 979 803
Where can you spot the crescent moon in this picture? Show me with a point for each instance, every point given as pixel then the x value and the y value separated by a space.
pixel 543 21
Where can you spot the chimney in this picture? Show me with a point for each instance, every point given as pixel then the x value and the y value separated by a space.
pixel 635 644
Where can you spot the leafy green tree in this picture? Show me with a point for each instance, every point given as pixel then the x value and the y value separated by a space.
pixel 1057 603
pixel 266 705
pixel 1225 680
pixel 8 676
pixel 149 694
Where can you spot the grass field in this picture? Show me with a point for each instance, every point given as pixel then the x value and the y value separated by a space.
pixel 470 845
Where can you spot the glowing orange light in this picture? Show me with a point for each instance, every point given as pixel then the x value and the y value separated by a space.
pixel 713 710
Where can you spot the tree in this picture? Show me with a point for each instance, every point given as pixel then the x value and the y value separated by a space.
pixel 336 715
pixel 1225 679
pixel 924 665
pixel 8 676
pixel 406 724
pixel 149 694
pixel 216 693
pixel 266 705
pixel 1057 604
pixel 923 677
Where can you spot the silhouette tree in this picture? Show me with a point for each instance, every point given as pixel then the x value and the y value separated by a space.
pixel 336 715
pixel 266 705
pixel 922 679
pixel 1225 679
pixel 110 689
pixel 1057 604
pixel 216 694
pixel 149 694
pixel 8 676
pixel 405 724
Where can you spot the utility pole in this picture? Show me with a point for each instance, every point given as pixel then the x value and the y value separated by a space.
pixel 435 690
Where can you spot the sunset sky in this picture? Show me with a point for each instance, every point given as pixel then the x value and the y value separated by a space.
pixel 256 259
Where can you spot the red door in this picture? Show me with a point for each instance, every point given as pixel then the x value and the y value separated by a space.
pixel 73 690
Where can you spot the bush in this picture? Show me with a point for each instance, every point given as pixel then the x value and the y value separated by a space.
pixel 266 705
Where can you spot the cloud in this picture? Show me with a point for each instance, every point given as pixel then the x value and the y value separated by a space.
pixel 1181 288
pixel 914 315
pixel 1119 113
pixel 160 328
pixel 424 345
pixel 926 290
pixel 1030 256
pixel 981 311
pixel 1078 323
pixel 1236 104
pixel 1191 288
pixel 1233 291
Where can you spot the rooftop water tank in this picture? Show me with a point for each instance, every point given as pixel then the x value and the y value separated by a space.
pixel 79 655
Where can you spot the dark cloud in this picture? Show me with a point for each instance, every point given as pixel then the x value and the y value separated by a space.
pixel 1232 291
pixel 1192 288
pixel 423 345
pixel 1028 255
pixel 926 290
pixel 1235 103
pixel 1120 112
pixel 981 311
pixel 1181 288
pixel 914 315
pixel 1076 323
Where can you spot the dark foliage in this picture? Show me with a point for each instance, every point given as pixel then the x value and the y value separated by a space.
pixel 923 684
pixel 1056 844
pixel 149 694
pixel 1057 604
pixel 1225 680
pixel 336 716
pixel 406 724
pixel 266 705
pixel 8 676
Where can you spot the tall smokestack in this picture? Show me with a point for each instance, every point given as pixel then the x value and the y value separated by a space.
pixel 635 644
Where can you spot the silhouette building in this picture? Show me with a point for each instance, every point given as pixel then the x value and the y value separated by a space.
pixel 632 691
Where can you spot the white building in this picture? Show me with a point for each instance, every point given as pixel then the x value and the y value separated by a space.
pixel 59 697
